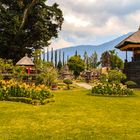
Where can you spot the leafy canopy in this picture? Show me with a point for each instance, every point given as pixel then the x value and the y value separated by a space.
pixel 26 25
pixel 112 60
pixel 76 64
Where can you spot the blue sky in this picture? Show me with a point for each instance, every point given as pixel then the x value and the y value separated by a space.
pixel 95 21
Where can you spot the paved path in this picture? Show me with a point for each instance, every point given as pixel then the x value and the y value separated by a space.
pixel 84 85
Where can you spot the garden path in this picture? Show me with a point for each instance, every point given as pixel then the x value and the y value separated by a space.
pixel 84 85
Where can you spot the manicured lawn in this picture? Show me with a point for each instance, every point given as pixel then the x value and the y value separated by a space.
pixel 73 116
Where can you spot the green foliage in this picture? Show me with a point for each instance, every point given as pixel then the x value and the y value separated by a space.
pixel 110 84
pixel 18 73
pixel 112 60
pixel 59 65
pixel 93 60
pixel 5 65
pixel 116 76
pixel 131 84
pixel 111 89
pixel 15 91
pixel 63 58
pixel 105 59
pixel 52 55
pixel 115 60
pixel 76 64
pixel 27 25
pixel 55 58
pixel 68 82
pixel 48 74
pixel 37 58
pixel 113 76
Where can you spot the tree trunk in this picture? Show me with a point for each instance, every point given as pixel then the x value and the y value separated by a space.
pixel 25 13
pixel 68 86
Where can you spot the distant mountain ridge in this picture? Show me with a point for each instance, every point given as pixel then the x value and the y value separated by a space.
pixel 70 51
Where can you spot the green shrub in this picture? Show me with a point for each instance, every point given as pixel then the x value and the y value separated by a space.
pixel 20 99
pixel 113 76
pixel 131 84
pixel 67 82
pixel 111 89
pixel 12 90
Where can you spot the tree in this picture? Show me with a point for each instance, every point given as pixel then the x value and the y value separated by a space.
pixel 63 58
pixel 86 59
pixel 48 74
pixel 43 55
pixel 37 60
pixel 105 59
pixel 59 66
pixel 76 64
pixel 93 60
pixel 55 58
pixel 112 60
pixel 76 53
pixel 26 25
pixel 52 55
pixel 115 60
pixel 47 54
pixel 67 58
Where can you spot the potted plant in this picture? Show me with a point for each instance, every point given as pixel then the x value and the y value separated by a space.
pixel 54 85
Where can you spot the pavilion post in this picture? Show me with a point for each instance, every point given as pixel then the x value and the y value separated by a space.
pixel 126 57
pixel 133 55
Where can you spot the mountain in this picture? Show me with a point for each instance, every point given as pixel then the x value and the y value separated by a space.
pixel 70 51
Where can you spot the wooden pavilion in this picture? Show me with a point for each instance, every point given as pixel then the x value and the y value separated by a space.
pixel 27 62
pixel 132 43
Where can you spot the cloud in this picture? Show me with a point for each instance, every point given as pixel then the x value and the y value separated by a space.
pixel 94 21
pixel 60 43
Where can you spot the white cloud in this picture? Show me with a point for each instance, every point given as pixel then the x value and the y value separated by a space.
pixel 60 43
pixel 93 21
pixel 71 19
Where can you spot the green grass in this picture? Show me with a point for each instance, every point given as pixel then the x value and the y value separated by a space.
pixel 73 116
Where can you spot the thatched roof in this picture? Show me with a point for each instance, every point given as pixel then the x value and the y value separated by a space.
pixel 25 61
pixel 132 39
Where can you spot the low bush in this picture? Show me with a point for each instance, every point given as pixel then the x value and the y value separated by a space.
pixel 111 89
pixel 67 82
pixel 131 84
pixel 113 76
pixel 15 91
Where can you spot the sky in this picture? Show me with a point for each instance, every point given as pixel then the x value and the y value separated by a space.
pixel 93 22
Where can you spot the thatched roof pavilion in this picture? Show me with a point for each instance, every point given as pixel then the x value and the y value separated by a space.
pixel 25 61
pixel 131 43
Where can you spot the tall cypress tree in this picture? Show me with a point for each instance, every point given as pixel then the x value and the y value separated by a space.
pixel 52 55
pixel 44 55
pixel 55 58
pixel 63 58
pixel 67 58
pixel 76 53
pixel 60 55
pixel 47 54
pixel 59 66
pixel 86 59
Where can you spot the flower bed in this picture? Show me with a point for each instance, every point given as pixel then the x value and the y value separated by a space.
pixel 22 92
pixel 111 89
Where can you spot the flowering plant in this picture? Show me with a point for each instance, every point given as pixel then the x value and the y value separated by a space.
pixel 118 89
pixel 15 89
